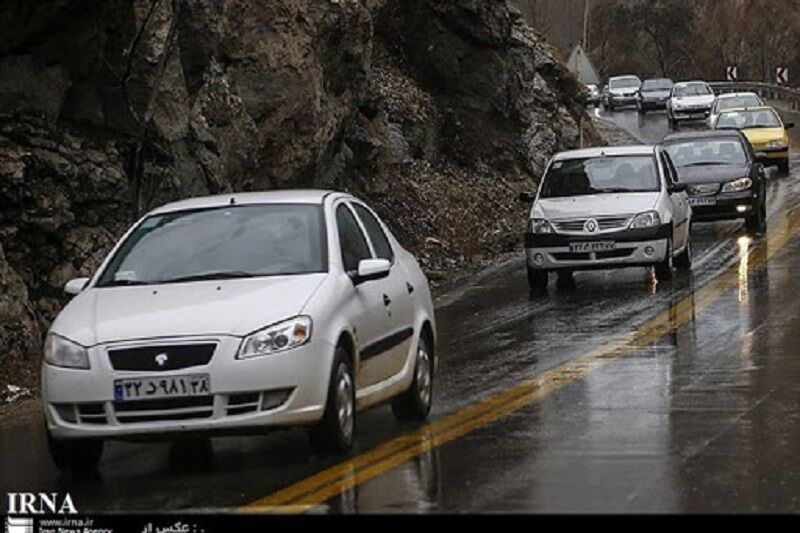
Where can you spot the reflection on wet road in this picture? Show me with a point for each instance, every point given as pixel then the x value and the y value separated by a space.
pixel 614 394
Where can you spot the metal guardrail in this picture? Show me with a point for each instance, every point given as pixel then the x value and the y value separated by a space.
pixel 790 96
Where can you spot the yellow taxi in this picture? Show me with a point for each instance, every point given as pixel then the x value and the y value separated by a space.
pixel 764 129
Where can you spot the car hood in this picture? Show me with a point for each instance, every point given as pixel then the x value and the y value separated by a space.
pixel 227 307
pixel 694 100
pixel 655 94
pixel 759 136
pixel 626 90
pixel 711 174
pixel 595 205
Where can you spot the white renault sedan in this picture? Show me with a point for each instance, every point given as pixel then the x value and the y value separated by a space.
pixel 602 208
pixel 239 313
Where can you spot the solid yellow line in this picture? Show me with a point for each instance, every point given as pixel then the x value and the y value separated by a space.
pixel 314 490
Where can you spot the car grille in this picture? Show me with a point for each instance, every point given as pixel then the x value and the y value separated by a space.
pixel 164 410
pixel 174 409
pixel 603 224
pixel 705 189
pixel 161 358
pixel 580 256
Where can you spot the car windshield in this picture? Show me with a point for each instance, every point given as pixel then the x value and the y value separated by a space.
pixel 756 118
pixel 735 102
pixel 707 152
pixel 657 85
pixel 692 89
pixel 600 175
pixel 221 243
pixel 624 83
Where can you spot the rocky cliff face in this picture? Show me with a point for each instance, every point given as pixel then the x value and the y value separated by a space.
pixel 435 111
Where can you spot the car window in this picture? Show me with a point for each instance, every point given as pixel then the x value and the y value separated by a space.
pixel 669 169
pixel 734 102
pixel 601 175
pixel 707 152
pixel 756 118
pixel 692 89
pixel 383 249
pixel 351 239
pixel 234 241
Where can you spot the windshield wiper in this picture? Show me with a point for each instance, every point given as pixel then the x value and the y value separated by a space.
pixel 206 276
pixel 125 283
pixel 611 190
pixel 709 164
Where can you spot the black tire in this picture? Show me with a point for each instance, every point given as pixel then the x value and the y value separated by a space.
pixel 757 222
pixel 783 166
pixel 673 124
pixel 642 111
pixel 684 261
pixel 538 280
pixel 415 403
pixel 664 269
pixel 335 432
pixel 78 455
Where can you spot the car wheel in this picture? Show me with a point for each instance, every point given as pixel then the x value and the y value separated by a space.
pixel 684 261
pixel 664 269
pixel 757 222
pixel 783 166
pixel 415 403
pixel 75 455
pixel 642 111
pixel 334 433
pixel 538 279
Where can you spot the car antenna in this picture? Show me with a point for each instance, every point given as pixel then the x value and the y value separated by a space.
pixel 233 201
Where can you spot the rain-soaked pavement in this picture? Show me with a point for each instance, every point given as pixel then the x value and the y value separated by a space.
pixel 643 397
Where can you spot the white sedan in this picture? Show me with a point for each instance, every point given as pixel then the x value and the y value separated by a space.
pixel 690 100
pixel 602 208
pixel 239 313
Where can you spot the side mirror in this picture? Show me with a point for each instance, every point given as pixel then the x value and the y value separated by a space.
pixel 789 125
pixel 371 269
pixel 527 197
pixel 678 187
pixel 75 286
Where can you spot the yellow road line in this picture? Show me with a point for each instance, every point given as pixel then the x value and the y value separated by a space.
pixel 316 489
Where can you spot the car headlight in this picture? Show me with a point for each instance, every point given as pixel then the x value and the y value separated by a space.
pixel 647 219
pixel 59 351
pixel 775 144
pixel 738 185
pixel 276 338
pixel 540 225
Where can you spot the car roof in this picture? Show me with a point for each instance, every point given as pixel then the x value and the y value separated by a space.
pixel 624 77
pixel 753 108
pixel 300 196
pixel 605 151
pixel 686 83
pixel 724 96
pixel 704 134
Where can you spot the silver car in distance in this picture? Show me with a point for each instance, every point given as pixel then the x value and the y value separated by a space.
pixel 238 313
pixel 603 208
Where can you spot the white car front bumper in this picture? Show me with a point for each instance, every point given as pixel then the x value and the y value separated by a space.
pixel 624 254
pixel 279 390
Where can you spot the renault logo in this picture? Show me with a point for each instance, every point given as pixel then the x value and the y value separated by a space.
pixel 161 359
pixel 591 225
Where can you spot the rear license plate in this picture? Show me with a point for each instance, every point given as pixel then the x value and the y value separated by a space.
pixel 588 247
pixel 702 201
pixel 161 387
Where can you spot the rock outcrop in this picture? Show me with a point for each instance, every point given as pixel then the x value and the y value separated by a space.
pixel 436 111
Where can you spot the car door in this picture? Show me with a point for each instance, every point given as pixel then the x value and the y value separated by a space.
pixel 370 320
pixel 680 204
pixel 388 357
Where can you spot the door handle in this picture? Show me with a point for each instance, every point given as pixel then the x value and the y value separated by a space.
pixel 410 288
pixel 386 300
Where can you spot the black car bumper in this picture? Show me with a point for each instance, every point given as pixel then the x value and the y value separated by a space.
pixel 546 240
pixel 729 206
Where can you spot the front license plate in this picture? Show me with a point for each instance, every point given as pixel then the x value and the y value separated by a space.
pixel 702 201
pixel 588 247
pixel 161 387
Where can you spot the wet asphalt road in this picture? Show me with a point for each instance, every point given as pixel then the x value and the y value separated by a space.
pixel 705 418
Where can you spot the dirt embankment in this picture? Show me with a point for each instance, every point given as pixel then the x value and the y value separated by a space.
pixel 437 112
